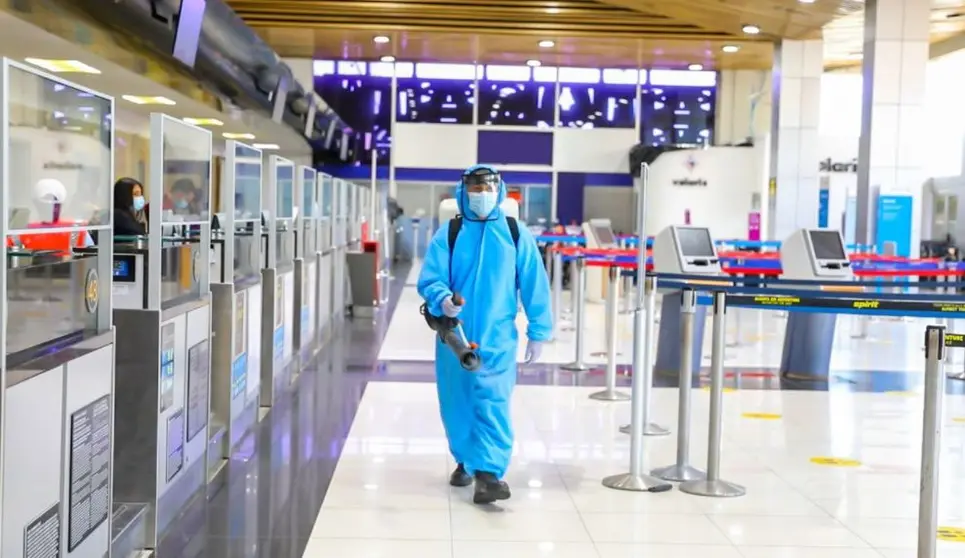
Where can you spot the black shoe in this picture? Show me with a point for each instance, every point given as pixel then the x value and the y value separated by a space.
pixel 489 489
pixel 460 478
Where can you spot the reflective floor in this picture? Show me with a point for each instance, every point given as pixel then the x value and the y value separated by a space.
pixel 354 464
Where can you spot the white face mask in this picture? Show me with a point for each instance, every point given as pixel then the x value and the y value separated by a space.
pixel 482 203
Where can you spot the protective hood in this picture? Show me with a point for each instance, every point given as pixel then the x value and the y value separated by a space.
pixel 462 198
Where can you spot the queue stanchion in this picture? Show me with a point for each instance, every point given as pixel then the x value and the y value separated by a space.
pixel 643 361
pixel 557 289
pixel 610 393
pixel 579 309
pixel 682 471
pixel 713 486
pixel 931 441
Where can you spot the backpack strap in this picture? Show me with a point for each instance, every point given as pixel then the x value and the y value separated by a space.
pixel 455 225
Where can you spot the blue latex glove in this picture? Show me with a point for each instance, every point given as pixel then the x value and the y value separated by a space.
pixel 533 351
pixel 450 308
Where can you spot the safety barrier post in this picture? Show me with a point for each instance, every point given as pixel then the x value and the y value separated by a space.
pixel 627 294
pixel 557 289
pixel 643 361
pixel 416 229
pixel 682 471
pixel 610 393
pixel 579 309
pixel 713 486
pixel 931 441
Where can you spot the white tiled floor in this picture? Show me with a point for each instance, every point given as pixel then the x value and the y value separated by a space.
pixel 389 496
pixel 890 345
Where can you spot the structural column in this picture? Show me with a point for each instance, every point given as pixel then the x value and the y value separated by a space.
pixel 891 148
pixel 796 112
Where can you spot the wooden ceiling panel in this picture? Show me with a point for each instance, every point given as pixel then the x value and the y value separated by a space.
pixel 612 33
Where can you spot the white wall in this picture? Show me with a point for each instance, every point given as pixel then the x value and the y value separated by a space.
pixel 743 106
pixel 602 150
pixel 434 146
pixel 733 176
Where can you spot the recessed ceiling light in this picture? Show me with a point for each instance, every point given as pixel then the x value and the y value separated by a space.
pixel 381 39
pixel 546 44
pixel 138 100
pixel 695 67
pixel 533 63
pixel 204 121
pixel 388 59
pixel 229 135
pixel 63 66
pixel 552 10
pixel 730 48
pixel 751 29
pixel 266 146
pixel 806 1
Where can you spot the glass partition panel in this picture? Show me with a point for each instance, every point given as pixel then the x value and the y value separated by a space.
pixel 285 184
pixel 246 254
pixel 325 207
pixel 247 183
pixel 59 140
pixel 187 173
pixel 309 211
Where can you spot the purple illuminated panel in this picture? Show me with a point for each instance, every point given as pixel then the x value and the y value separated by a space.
pixel 516 104
pixel 502 147
pixel 681 115
pixel 436 101
pixel 364 102
pixel 597 106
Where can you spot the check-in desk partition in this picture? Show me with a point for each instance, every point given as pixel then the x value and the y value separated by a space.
pixel 236 296
pixel 306 265
pixel 162 310
pixel 326 256
pixel 278 280
pixel 57 379
pixel 340 236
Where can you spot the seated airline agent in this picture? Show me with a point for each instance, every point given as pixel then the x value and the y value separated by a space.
pixel 487 258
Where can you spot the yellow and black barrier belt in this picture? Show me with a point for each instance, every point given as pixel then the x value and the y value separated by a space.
pixel 921 308
pixel 956 340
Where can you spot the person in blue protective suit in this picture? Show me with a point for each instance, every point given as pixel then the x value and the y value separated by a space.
pixel 493 263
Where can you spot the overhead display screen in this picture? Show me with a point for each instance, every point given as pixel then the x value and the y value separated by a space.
pixel 827 245
pixel 695 242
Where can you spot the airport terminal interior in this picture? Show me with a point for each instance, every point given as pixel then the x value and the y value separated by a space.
pixel 475 278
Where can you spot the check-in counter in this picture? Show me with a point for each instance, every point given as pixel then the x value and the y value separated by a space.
pixel 278 280
pixel 58 407
pixel 326 256
pixel 305 338
pixel 236 296
pixel 162 314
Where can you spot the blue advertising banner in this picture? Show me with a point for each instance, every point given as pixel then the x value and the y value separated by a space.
pixel 824 198
pixel 894 223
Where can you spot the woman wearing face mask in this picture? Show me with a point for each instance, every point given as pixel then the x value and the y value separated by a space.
pixel 128 202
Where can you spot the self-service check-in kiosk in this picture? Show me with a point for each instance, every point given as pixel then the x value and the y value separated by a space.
pixel 690 251
pixel 812 255
pixel 57 373
pixel 162 309
pixel 326 256
pixel 278 279
pixel 598 234
pixel 236 296
pixel 306 263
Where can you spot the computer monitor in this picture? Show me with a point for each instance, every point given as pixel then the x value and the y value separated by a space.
pixel 827 245
pixel 695 242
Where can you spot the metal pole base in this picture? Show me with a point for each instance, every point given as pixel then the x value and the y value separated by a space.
pixel 636 483
pixel 575 367
pixel 679 473
pixel 608 395
pixel 650 429
pixel 713 489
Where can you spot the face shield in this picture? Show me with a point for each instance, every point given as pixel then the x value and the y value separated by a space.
pixel 482 190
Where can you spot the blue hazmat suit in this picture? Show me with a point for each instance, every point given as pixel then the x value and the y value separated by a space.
pixel 485 268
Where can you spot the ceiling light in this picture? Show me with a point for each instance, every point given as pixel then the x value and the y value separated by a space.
pixel 532 63
pixel 388 59
pixel 381 40
pixel 751 29
pixel 806 1
pixel 730 48
pixel 546 44
pixel 695 67
pixel 63 66
pixel 204 121
pixel 138 100
pixel 266 146
pixel 229 135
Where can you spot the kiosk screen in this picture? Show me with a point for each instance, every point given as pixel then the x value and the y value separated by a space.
pixel 827 245
pixel 604 234
pixel 695 242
